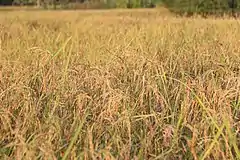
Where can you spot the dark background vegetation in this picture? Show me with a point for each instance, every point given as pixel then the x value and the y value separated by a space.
pixel 216 7
pixel 187 7
pixel 91 3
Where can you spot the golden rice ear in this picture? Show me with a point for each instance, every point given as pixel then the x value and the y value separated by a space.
pixel 168 135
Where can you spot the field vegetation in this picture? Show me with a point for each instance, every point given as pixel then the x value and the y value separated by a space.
pixel 118 84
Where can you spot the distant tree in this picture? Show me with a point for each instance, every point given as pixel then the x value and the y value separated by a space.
pixel 6 2
pixel 96 3
pixel 216 7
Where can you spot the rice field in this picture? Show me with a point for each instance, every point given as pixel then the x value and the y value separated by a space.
pixel 118 84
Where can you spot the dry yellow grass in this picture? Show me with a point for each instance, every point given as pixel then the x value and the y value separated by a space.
pixel 118 84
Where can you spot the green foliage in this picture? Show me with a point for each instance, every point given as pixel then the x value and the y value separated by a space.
pixel 5 2
pixel 202 6
pixel 111 4
pixel 142 3
pixel 136 3
pixel 121 3
pixel 81 4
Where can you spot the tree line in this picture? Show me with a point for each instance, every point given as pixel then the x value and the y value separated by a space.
pixel 204 7
pixel 89 3
pixel 189 7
